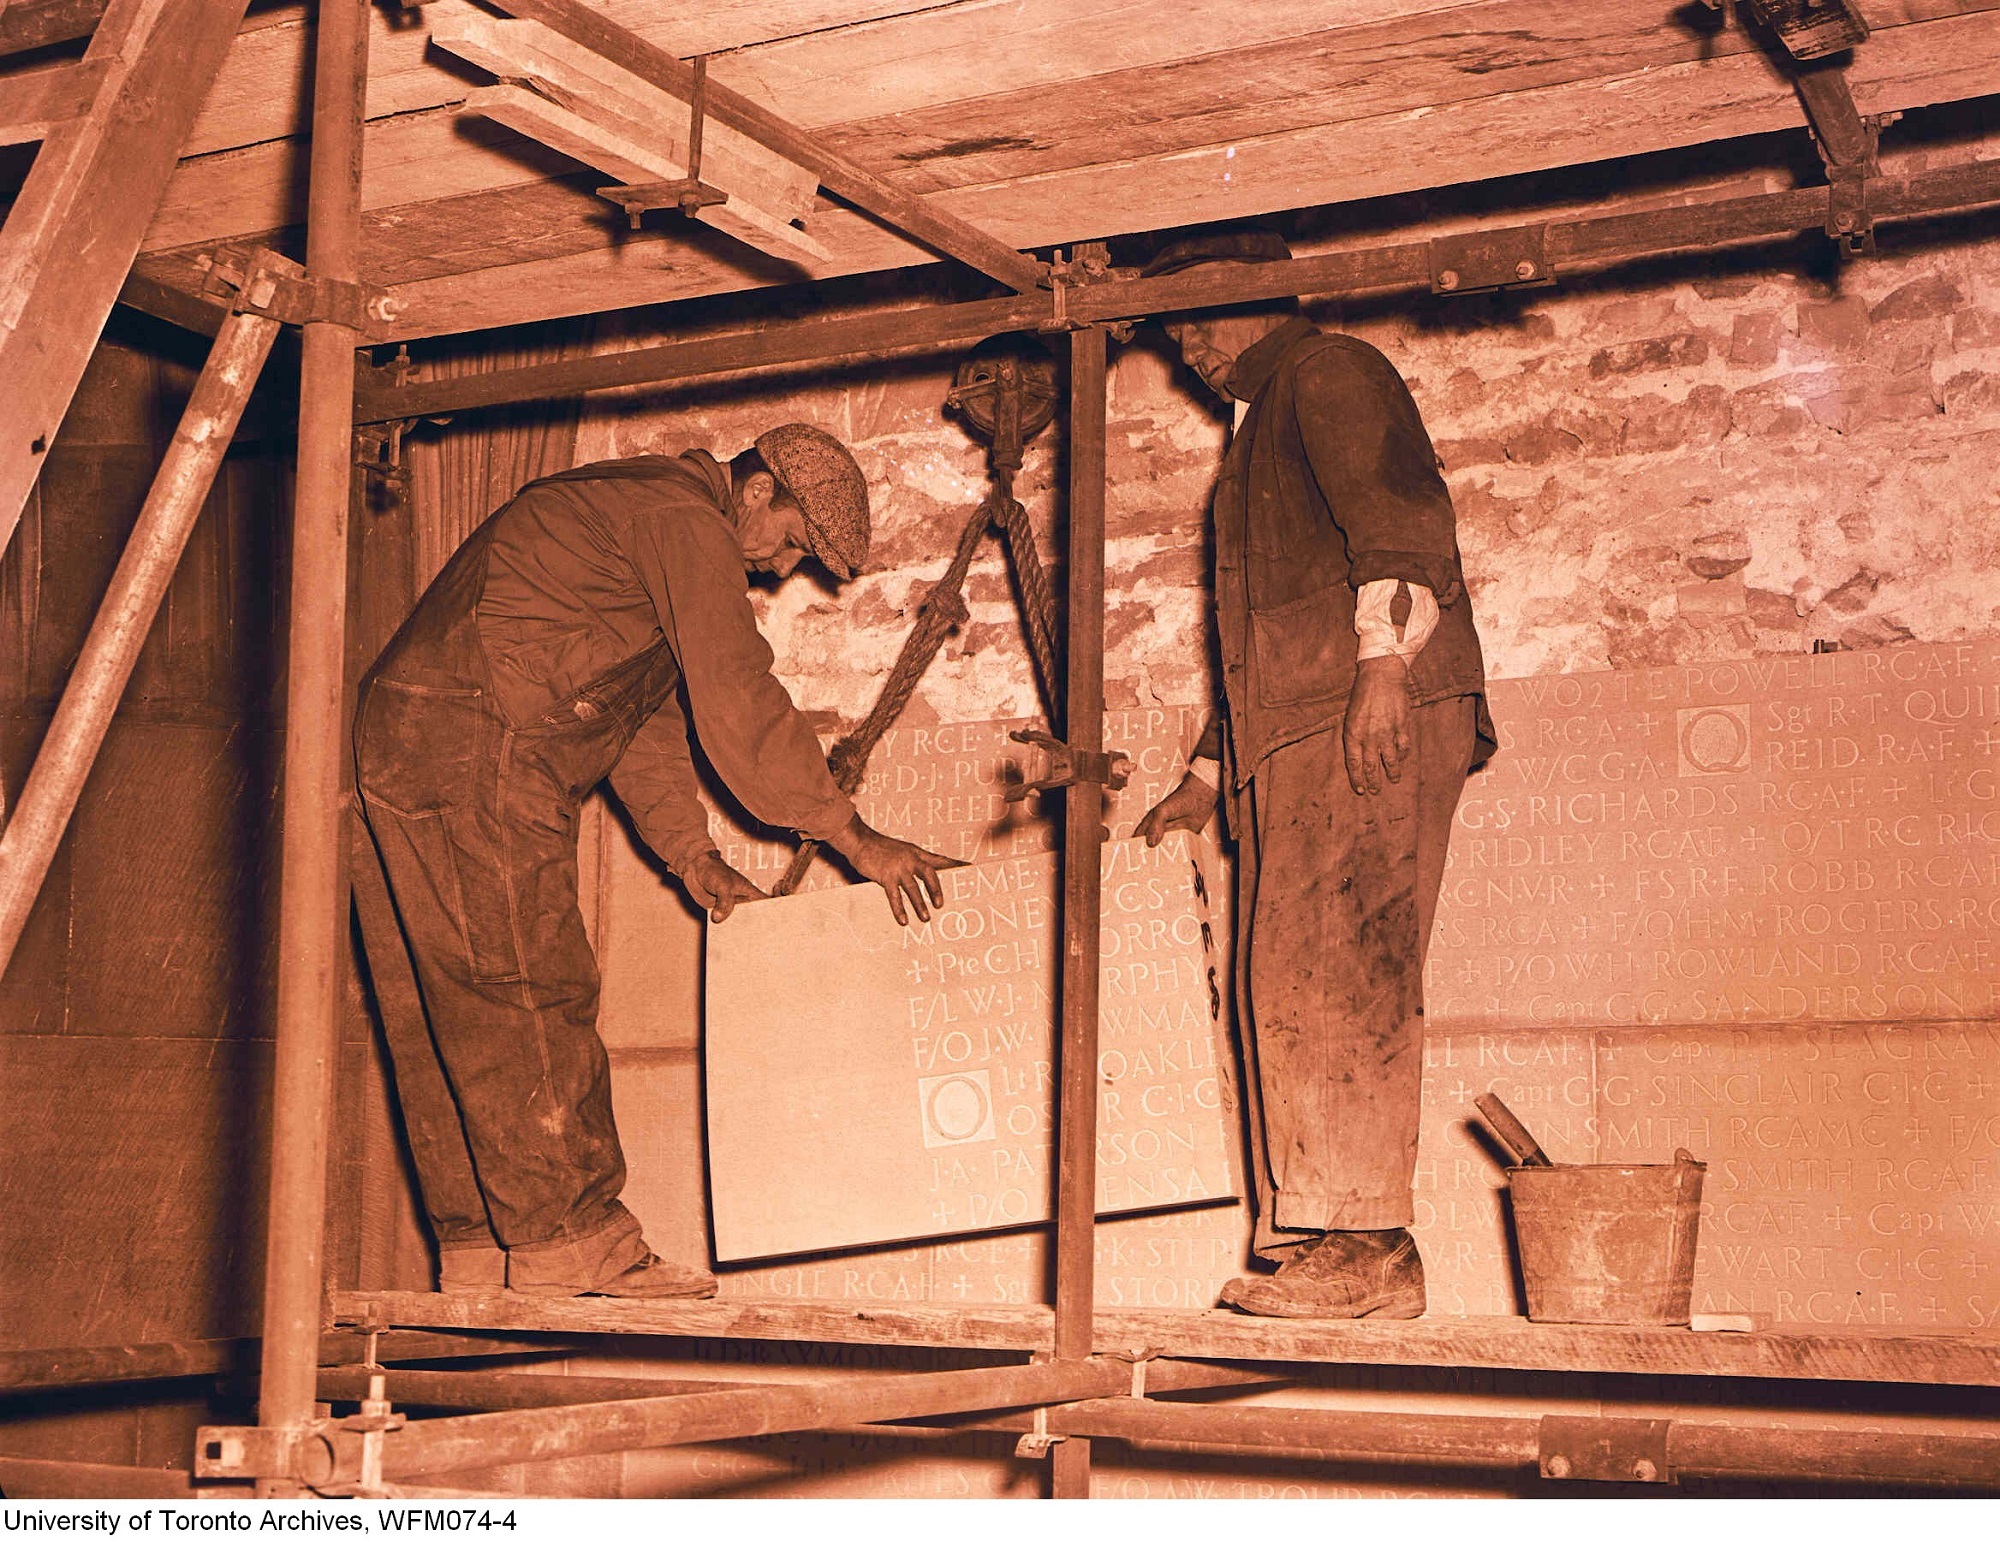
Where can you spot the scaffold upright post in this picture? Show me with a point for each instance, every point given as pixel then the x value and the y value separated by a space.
pixel 309 929
pixel 1083 840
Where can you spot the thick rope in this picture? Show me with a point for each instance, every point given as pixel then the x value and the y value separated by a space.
pixel 1037 603
pixel 944 608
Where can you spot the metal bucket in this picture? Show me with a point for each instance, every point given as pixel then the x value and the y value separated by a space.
pixel 1608 1244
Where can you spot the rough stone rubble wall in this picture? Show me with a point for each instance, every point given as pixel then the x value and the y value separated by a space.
pixel 1693 468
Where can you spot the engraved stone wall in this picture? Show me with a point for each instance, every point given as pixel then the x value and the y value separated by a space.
pixel 1768 942
pixel 1757 841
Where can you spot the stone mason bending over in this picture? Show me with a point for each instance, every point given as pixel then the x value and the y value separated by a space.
pixel 550 653
pixel 1354 707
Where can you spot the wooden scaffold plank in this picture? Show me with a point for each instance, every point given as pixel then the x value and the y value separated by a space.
pixel 1497 1343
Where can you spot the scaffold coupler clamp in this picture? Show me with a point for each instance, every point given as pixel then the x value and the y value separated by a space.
pixel 258 282
pixel 1849 220
pixel 1037 1443
pixel 1067 766
pixel 335 1457
pixel 375 1420
pixel 1088 263
pixel 1601 1450
pixel 1140 1359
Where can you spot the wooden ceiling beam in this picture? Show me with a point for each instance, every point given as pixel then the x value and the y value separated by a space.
pixel 28 24
pixel 1523 121
pixel 943 232
pixel 35 101
pixel 70 237
pixel 1476 140
pixel 1571 245
pixel 1245 91
pixel 564 95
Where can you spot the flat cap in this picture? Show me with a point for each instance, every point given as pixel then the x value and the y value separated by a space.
pixel 1249 243
pixel 820 474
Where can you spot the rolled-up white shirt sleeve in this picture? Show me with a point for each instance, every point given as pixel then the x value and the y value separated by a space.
pixel 1379 635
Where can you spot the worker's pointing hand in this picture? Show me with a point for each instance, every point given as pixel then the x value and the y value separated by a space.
pixel 717 887
pixel 907 872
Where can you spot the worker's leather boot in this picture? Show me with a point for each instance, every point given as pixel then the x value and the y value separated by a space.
pixel 654 1278
pixel 1339 1274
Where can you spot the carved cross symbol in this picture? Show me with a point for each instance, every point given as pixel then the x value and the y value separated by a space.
pixel 1647 723
pixel 1987 742
pixel 1754 838
pixel 1837 1216
pixel 1601 886
pixel 1975 1266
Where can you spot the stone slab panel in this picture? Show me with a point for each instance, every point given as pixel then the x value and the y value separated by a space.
pixel 1851 1169
pixel 870 1083
pixel 1762 841
pixel 941 785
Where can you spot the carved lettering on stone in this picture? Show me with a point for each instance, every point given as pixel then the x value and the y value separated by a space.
pixel 1754 842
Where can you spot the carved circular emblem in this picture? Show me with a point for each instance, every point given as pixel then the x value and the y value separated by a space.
pixel 957 1108
pixel 1716 739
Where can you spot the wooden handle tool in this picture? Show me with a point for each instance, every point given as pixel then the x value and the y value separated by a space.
pixel 1513 1134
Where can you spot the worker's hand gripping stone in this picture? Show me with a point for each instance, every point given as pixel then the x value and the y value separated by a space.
pixel 907 872
pixel 717 887
pixel 1188 807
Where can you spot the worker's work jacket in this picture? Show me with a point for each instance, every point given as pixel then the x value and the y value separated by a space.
pixel 1329 483
pixel 598 594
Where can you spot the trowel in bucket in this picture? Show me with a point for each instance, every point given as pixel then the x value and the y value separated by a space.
pixel 1600 1243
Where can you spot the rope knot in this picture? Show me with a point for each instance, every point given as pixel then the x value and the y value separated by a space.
pixel 948 603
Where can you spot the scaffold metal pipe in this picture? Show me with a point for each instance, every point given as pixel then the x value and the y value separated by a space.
pixel 310 935
pixel 1083 841
pixel 542 1434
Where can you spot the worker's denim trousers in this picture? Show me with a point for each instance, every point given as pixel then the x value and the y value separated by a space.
pixel 478 956
pixel 1336 892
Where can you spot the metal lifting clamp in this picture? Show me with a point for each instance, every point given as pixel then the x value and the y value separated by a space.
pixel 1068 767
pixel 1848 218
pixel 689 194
